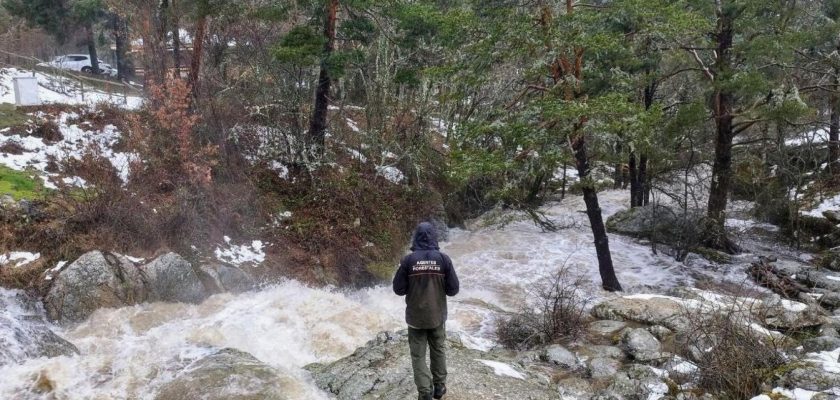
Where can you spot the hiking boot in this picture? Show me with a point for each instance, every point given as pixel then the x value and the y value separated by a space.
pixel 427 396
pixel 440 390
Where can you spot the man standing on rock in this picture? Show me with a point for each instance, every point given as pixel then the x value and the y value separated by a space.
pixel 426 277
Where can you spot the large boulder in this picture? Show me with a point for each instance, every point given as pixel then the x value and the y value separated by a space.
pixel 602 367
pixel 601 351
pixel 821 343
pixel 641 345
pixel 647 309
pixel 24 334
pixel 228 374
pixel 171 278
pixel 101 280
pixel 831 259
pixel 382 370
pixel 823 279
pixel 784 314
pixel 95 280
pixel 810 377
pixel 660 223
pixel 559 356
pixel 218 277
pixel 635 382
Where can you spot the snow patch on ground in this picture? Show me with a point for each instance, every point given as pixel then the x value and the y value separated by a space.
pixel 54 270
pixel 832 203
pixel 357 155
pixel 241 254
pixel 827 360
pixel 502 369
pixel 18 258
pixel 683 366
pixel 794 306
pixel 792 394
pixel 75 143
pixel 281 170
pixel 392 174
pixel 352 124
pixel 134 259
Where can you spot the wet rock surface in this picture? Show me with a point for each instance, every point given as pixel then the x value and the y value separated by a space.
pixel 382 370
pixel 171 278
pixel 95 280
pixel 106 280
pixel 559 356
pixel 219 278
pixel 641 345
pixel 24 334
pixel 651 310
pixel 810 377
pixel 225 375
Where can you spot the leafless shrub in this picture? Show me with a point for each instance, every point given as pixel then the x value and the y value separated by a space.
pixel 556 310
pixel 13 148
pixel 48 131
pixel 734 355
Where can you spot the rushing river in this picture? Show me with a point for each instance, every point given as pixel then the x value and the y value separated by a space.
pixel 129 353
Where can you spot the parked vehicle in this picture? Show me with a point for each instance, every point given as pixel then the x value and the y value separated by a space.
pixel 79 62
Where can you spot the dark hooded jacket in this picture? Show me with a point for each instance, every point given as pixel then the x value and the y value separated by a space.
pixel 425 277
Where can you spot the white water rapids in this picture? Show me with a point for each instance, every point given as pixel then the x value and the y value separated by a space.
pixel 129 353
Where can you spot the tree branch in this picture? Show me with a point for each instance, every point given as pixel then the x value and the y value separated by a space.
pixel 704 68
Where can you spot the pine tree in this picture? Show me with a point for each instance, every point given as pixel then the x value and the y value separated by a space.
pixel 737 60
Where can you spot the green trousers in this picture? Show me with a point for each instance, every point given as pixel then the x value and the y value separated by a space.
pixel 435 340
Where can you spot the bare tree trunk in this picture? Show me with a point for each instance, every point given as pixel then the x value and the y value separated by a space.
pixel 721 175
pixel 176 49
pixel 120 31
pixel 198 50
pixel 532 199
pixel 563 183
pixel 617 176
pixel 634 181
pixel 593 210
pixel 154 47
pixel 644 185
pixel 318 123
pixel 91 45
pixel 643 192
pixel 834 127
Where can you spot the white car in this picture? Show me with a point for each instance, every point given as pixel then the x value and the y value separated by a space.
pixel 79 62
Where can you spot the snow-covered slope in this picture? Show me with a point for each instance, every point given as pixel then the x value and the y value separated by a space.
pixel 36 154
pixel 57 90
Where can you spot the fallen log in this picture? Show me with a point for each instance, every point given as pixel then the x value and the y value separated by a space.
pixel 763 272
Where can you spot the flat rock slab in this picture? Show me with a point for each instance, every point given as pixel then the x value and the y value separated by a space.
pixel 647 309
pixel 606 327
pixel 382 370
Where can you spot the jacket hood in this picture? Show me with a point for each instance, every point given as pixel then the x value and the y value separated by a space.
pixel 425 237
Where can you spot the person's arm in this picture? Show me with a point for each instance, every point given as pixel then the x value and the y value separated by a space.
pixel 400 283
pixel 452 286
